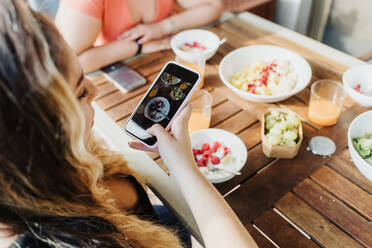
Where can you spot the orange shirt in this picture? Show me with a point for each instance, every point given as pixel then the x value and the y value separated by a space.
pixel 115 15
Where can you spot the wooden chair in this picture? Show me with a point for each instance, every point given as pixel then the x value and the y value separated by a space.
pixel 158 181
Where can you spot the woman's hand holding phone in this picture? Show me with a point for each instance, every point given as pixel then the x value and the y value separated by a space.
pixel 174 146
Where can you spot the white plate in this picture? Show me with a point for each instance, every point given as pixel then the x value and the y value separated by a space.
pixel 164 110
pixel 233 142
pixel 177 80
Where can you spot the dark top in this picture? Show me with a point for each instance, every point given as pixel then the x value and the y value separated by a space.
pixel 144 210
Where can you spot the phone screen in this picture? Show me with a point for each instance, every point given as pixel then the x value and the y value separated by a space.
pixel 162 101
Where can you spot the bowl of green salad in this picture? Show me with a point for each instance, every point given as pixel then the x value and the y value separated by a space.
pixel 360 143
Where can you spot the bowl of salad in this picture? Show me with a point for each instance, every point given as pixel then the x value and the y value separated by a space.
pixel 360 143
pixel 264 73
pixel 193 44
pixel 358 84
pixel 281 133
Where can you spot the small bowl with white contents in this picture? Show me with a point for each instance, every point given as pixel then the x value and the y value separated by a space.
pixel 219 154
pixel 360 143
pixel 281 133
pixel 193 44
pixel 358 84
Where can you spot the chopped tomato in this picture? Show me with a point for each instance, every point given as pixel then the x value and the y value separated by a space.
pixel 357 88
pixel 215 160
pixel 206 147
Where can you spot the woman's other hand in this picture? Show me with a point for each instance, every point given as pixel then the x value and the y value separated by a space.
pixel 174 146
pixel 156 46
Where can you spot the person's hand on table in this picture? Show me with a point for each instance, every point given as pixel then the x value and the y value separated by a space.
pixel 146 32
pixel 156 46
pixel 174 146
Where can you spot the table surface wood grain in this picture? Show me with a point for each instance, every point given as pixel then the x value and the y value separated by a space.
pixel 307 201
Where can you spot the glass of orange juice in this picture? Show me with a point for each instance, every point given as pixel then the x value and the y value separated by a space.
pixel 197 64
pixel 326 100
pixel 201 103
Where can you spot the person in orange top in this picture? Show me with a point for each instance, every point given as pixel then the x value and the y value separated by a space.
pixel 105 31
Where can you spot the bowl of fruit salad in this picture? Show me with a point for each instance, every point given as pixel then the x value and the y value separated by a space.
pixel 360 143
pixel 219 154
pixel 193 44
pixel 358 84
pixel 264 73
pixel 281 133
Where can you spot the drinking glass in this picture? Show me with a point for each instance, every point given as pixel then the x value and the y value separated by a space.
pixel 197 64
pixel 201 103
pixel 326 100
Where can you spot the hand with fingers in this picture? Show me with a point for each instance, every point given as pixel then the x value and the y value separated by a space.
pixel 145 32
pixel 174 146
pixel 156 45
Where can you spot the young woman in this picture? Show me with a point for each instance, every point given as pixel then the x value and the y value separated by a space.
pixel 105 31
pixel 61 188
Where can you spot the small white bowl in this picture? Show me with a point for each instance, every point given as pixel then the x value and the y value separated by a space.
pixel 360 74
pixel 358 127
pixel 235 60
pixel 204 37
pixel 237 148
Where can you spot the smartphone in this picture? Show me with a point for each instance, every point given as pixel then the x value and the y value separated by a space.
pixel 162 102
pixel 123 77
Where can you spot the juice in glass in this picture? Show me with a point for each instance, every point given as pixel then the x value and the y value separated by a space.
pixel 201 103
pixel 327 97
pixel 198 65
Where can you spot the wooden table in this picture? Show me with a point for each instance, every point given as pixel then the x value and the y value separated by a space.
pixel 308 201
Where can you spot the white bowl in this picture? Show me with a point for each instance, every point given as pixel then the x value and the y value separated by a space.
pixel 237 148
pixel 204 37
pixel 235 60
pixel 358 127
pixel 360 74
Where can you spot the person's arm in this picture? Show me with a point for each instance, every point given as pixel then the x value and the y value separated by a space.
pixel 210 210
pixel 197 13
pixel 81 31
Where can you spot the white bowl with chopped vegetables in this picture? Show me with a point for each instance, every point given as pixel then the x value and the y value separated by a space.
pixel 358 84
pixel 265 73
pixel 360 143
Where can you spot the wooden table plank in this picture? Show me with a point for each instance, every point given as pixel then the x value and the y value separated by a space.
pixel 288 236
pixel 335 210
pixel 237 122
pixel 345 190
pixel 155 66
pixel 122 110
pixel 342 164
pixel 256 160
pixel 260 239
pixel 313 223
pixel 223 112
pixel 251 136
pixel 105 89
pixel 261 191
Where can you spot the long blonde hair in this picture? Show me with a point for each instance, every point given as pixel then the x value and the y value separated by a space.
pixel 48 175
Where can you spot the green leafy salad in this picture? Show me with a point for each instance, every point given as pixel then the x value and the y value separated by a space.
pixel 282 128
pixel 363 145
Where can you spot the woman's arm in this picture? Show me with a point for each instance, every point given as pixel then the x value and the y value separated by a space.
pixel 81 31
pixel 208 207
pixel 197 13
